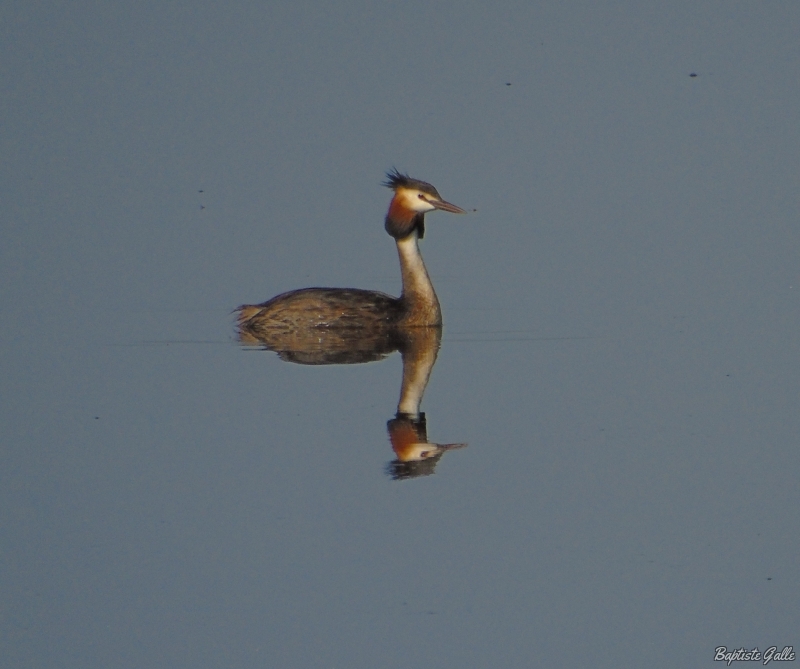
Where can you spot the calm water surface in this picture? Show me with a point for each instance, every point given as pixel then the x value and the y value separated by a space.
pixel 620 347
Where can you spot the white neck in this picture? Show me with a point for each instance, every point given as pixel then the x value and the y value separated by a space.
pixel 418 290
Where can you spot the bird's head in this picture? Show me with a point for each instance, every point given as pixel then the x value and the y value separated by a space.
pixel 412 199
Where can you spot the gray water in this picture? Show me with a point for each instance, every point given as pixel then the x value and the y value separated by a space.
pixel 620 348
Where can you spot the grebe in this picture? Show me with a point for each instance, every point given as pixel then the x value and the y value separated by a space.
pixel 355 308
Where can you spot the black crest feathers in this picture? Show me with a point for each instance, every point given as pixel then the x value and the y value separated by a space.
pixel 395 180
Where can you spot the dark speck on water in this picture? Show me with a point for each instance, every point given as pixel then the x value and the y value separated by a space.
pixel 693 74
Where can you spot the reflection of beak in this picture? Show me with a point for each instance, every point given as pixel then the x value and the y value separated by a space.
pixel 423 451
pixel 446 206
pixel 451 447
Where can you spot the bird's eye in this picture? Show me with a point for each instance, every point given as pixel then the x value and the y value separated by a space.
pixel 420 196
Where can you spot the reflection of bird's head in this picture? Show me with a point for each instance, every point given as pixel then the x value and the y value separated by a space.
pixel 416 456
pixel 412 198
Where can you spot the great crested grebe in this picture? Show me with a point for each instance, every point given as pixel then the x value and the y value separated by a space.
pixel 355 308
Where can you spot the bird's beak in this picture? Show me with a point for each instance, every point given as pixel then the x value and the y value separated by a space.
pixel 446 206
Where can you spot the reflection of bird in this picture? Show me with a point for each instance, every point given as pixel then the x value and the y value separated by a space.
pixel 416 456
pixel 354 308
